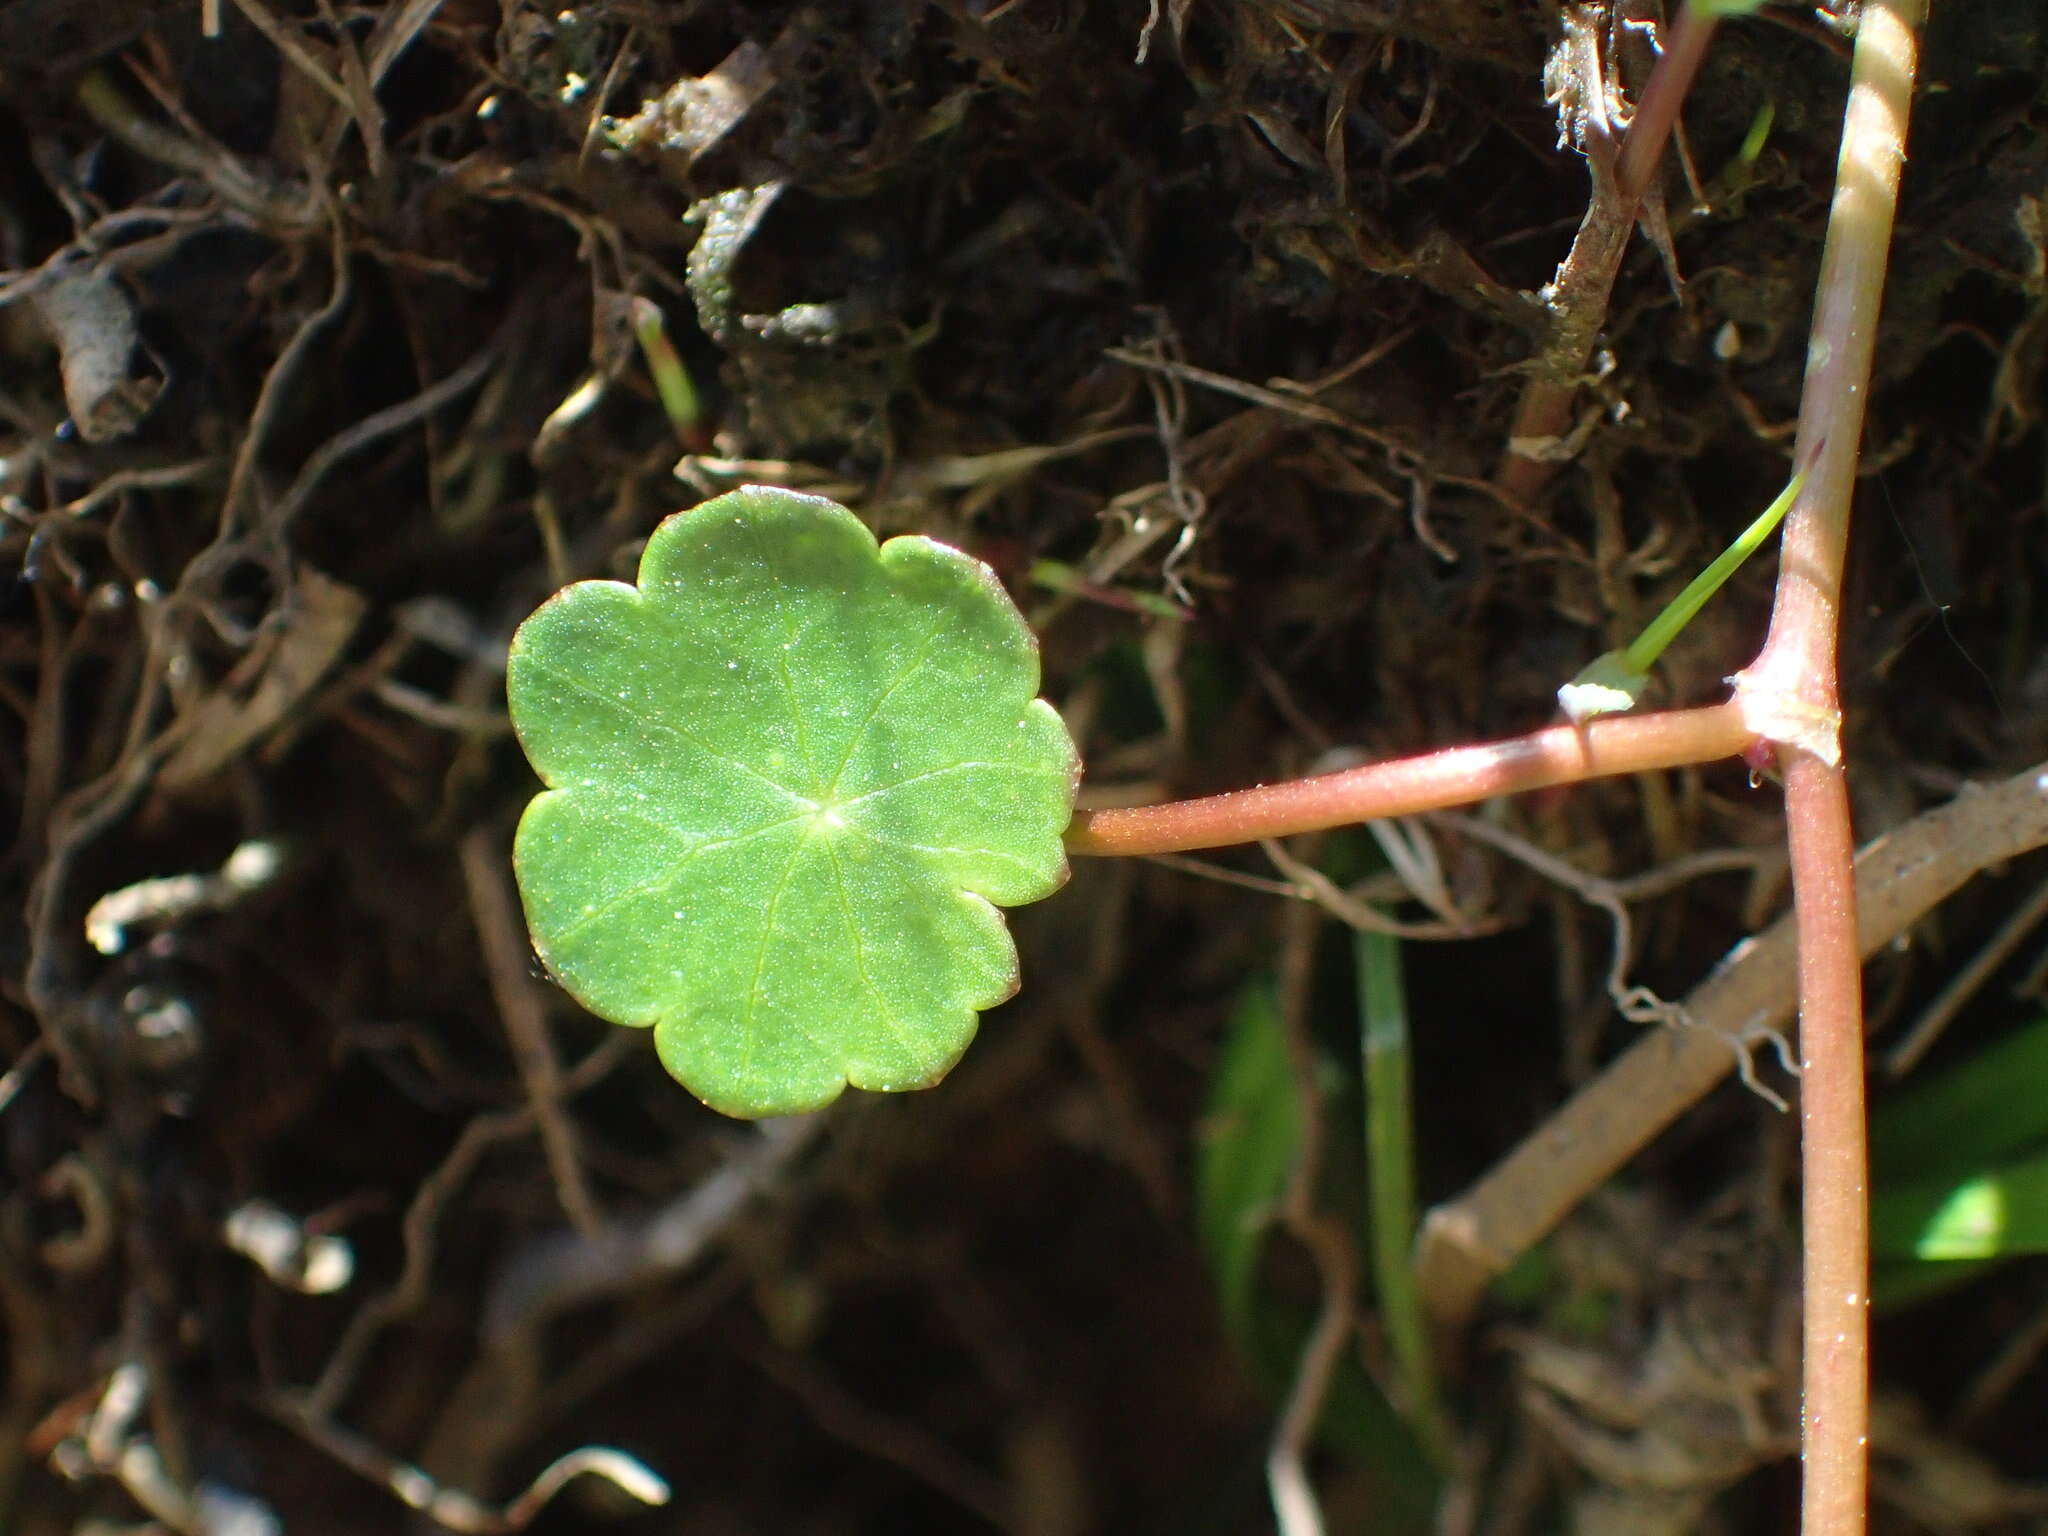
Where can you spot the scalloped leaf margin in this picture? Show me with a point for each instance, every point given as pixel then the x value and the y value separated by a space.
pixel 791 776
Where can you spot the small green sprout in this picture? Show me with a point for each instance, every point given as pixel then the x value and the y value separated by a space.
pixel 791 775
pixel 671 379
pixel 1759 134
pixel 1613 681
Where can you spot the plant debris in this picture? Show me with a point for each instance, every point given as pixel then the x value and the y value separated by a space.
pixel 1204 329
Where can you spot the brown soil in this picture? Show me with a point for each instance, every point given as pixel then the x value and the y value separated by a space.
pixel 1265 294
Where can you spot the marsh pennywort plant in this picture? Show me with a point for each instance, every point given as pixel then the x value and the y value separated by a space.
pixel 792 775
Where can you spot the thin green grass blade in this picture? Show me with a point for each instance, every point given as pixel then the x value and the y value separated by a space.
pixel 1390 1172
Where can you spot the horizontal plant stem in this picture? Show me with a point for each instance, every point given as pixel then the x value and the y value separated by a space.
pixel 1431 781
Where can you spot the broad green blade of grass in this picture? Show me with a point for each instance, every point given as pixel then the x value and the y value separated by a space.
pixel 1250 1137
pixel 1947 1206
pixel 1897 1283
pixel 1978 1113
pixel 1994 1214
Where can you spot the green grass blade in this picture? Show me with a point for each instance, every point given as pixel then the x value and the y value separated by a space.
pixel 1994 1214
pixel 1641 653
pixel 1981 1112
pixel 1390 1166
pixel 1614 681
pixel 1251 1136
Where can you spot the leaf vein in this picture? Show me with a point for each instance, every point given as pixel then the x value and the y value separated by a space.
pixel 980 852
pixel 652 722
pixel 896 1026
pixel 789 638
pixel 761 963
pixel 1032 770
pixel 860 736
pixel 668 876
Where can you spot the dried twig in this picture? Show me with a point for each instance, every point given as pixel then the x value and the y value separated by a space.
pixel 1899 878
pixel 1637 1004
pixel 1313 885
pixel 559 1269
pixel 1964 985
pixel 1328 1243
pixel 902 1443
pixel 505 947
pixel 455 1510
pixel 1577 297
pixel 371 429
pixel 422 1218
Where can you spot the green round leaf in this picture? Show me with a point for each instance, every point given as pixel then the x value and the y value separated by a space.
pixel 791 776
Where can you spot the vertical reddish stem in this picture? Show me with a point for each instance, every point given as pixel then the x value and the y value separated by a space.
pixel 1790 695
pixel 1834 1156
